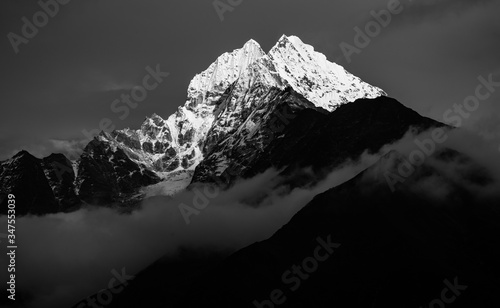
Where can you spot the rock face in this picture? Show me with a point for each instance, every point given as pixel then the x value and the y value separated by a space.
pixel 289 134
pixel 233 112
pixel 255 132
pixel 106 175
pixel 284 131
pixel 324 141
pixel 40 186
pixel 225 100
pixel 61 176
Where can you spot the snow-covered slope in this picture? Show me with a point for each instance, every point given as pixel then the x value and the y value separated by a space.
pixel 233 111
pixel 221 99
pixel 308 72
pixel 175 143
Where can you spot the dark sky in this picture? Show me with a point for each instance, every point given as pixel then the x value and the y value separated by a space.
pixel 64 79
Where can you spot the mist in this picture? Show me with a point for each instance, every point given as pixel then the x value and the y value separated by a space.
pixel 63 258
pixel 465 160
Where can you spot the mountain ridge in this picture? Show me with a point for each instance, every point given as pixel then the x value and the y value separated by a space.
pixel 394 249
pixel 223 104
pixel 228 86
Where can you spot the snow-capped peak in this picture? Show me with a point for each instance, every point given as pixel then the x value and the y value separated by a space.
pixel 212 82
pixel 251 43
pixel 309 72
pixel 220 98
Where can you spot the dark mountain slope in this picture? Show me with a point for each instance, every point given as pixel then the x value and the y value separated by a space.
pixel 25 176
pixel 323 142
pixel 108 176
pixel 313 138
pixel 396 250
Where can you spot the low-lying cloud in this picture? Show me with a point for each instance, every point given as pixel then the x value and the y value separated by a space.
pixel 63 258
pixel 464 161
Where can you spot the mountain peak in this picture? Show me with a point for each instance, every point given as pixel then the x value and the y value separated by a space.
pixel 295 40
pixel 251 43
pixel 224 71
pixel 221 98
pixel 284 39
pixel 324 83
pixel 155 116
pixel 23 153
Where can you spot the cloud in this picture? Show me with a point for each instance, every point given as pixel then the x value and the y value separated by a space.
pixel 98 80
pixel 464 160
pixel 38 150
pixel 72 149
pixel 488 126
pixel 66 257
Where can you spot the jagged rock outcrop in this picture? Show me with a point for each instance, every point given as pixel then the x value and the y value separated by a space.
pixel 231 115
pixel 40 186
pixel 107 176
pixel 223 100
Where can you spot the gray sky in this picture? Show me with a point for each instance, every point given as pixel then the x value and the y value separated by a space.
pixel 65 78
